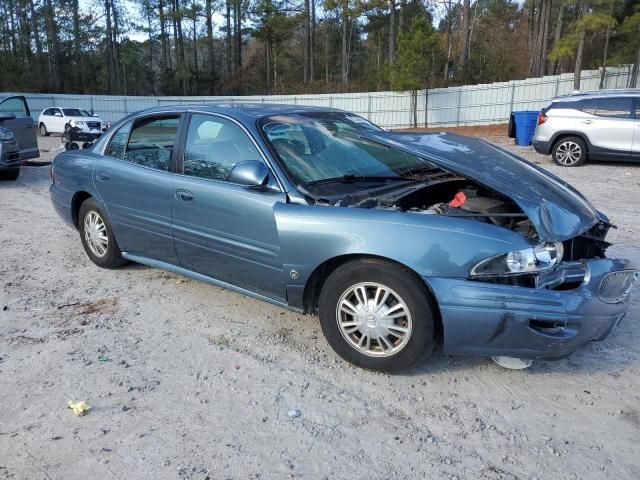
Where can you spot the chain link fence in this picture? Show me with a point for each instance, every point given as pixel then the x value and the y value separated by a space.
pixel 439 107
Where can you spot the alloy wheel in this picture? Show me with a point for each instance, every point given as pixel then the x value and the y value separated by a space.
pixel 568 153
pixel 95 233
pixel 374 319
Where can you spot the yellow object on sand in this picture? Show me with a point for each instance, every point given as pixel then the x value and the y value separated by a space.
pixel 79 408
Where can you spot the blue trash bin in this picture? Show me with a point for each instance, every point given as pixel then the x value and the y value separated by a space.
pixel 526 122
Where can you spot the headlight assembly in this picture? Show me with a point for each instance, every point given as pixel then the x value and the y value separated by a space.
pixel 6 134
pixel 77 123
pixel 529 260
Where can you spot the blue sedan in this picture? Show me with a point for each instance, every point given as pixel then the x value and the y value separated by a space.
pixel 396 240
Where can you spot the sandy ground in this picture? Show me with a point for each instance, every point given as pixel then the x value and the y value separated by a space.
pixel 186 380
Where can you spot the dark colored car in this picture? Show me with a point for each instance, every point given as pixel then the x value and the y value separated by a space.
pixel 16 116
pixel 398 240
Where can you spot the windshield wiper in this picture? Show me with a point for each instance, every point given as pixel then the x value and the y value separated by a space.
pixel 361 178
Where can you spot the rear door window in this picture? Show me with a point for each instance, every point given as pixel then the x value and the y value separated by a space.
pixel 614 107
pixel 152 141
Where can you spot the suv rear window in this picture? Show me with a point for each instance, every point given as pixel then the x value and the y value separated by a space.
pixel 616 107
pixel 613 107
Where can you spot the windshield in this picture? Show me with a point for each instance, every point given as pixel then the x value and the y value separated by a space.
pixel 320 146
pixel 75 112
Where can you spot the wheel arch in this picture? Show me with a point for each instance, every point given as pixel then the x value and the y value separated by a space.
pixel 561 135
pixel 78 199
pixel 319 275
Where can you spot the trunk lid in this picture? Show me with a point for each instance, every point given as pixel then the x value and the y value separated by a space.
pixel 556 209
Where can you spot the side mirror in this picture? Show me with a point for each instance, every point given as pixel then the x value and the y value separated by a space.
pixel 7 116
pixel 251 173
pixel 57 114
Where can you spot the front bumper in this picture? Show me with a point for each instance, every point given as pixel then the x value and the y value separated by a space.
pixel 490 319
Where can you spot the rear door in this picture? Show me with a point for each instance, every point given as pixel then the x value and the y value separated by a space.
pixel 609 125
pixel 221 229
pixel 22 126
pixel 134 180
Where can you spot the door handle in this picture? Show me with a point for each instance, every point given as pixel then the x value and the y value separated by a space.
pixel 587 122
pixel 101 176
pixel 184 195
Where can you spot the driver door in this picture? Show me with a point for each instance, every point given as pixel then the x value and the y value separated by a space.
pixel 224 230
pixel 22 126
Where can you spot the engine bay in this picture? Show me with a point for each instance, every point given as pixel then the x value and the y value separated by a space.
pixel 452 196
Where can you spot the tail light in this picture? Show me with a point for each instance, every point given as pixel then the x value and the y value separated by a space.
pixel 542 118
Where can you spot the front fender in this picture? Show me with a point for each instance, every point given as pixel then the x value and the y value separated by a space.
pixel 431 245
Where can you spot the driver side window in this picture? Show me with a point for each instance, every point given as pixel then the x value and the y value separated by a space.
pixel 15 106
pixel 214 146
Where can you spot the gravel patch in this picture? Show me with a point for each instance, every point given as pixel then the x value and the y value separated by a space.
pixel 186 380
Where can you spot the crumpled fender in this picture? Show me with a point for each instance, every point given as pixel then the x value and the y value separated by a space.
pixel 431 245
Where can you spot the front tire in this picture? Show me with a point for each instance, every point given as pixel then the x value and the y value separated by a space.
pixel 377 315
pixel 43 130
pixel 570 152
pixel 97 237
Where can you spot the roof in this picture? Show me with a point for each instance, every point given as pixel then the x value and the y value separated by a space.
pixel 622 92
pixel 247 109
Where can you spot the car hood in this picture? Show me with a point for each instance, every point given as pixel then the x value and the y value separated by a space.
pixel 556 209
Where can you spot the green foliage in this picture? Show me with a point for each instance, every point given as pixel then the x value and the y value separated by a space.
pixel 416 47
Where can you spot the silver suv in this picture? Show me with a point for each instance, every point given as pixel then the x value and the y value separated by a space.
pixel 598 125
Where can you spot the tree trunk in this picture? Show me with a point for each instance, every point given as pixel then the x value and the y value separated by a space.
pixel 603 73
pixel 306 44
pixel 326 56
pixel 312 40
pixel 578 65
pixel 556 38
pixel 165 60
pixel 542 69
pixel 115 50
pixel 228 61
pixel 180 46
pixel 268 54
pixel 239 34
pixel 633 79
pixel 345 37
pixel 392 32
pixel 58 80
pixel 77 57
pixel 210 45
pixel 36 37
pixel 464 55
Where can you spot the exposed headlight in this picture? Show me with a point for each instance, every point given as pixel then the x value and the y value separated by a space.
pixel 530 260
pixel 6 134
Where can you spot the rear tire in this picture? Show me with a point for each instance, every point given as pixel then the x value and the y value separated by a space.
pixel 392 329
pixel 43 130
pixel 570 152
pixel 97 237
pixel 12 174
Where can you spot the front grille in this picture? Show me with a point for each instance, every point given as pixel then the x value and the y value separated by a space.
pixel 94 125
pixel 615 286
pixel 11 156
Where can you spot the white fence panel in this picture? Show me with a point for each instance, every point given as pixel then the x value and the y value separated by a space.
pixel 436 107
